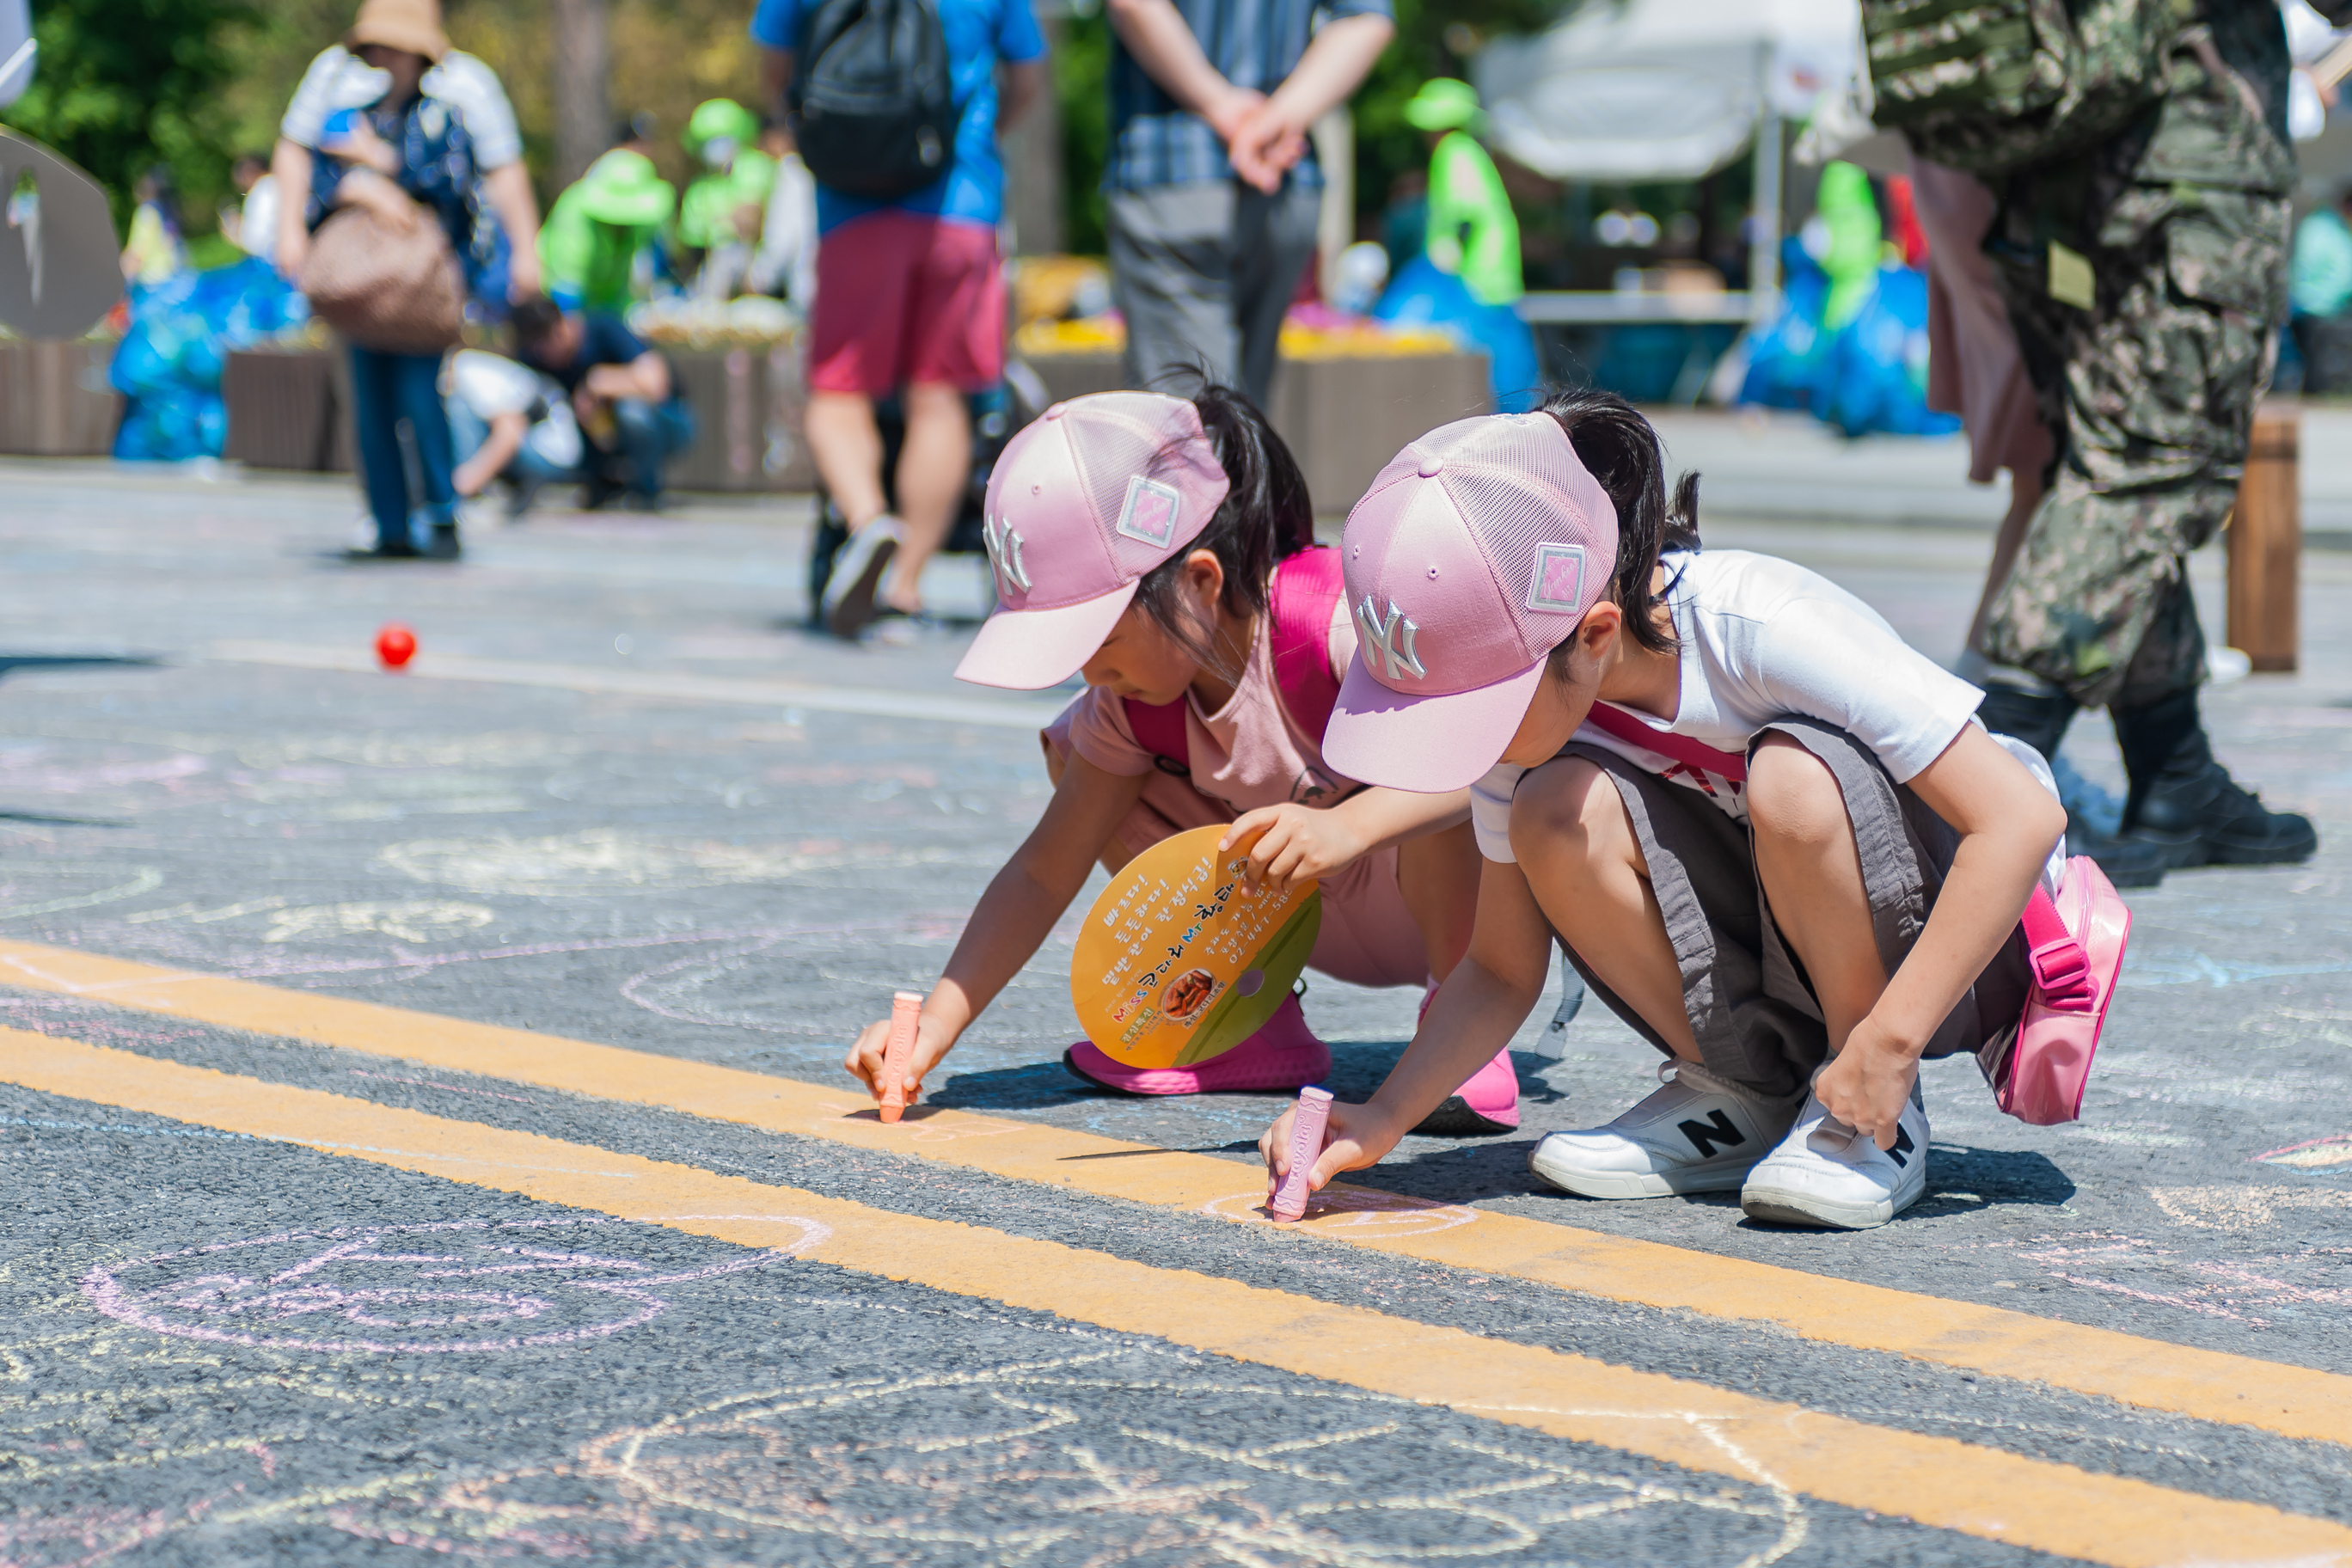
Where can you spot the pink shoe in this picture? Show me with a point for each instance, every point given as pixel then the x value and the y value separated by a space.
pixel 1282 1056
pixel 1488 1104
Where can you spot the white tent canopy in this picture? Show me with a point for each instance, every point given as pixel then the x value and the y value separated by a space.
pixel 1662 89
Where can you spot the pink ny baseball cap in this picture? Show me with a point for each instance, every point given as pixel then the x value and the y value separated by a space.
pixel 1081 505
pixel 1473 554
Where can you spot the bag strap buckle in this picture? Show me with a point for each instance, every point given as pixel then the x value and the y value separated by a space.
pixel 2062 973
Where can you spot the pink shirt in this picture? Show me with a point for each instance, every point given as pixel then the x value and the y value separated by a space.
pixel 1248 753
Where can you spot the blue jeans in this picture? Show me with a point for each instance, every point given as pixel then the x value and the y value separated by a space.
pixel 649 433
pixel 387 388
pixel 467 431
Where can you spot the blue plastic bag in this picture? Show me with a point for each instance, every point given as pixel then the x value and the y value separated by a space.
pixel 1421 295
pixel 168 366
pixel 1876 379
pixel 1868 377
pixel 1786 357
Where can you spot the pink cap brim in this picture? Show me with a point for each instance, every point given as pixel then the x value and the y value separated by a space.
pixel 1029 650
pixel 1429 745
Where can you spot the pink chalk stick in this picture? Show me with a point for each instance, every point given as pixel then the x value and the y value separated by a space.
pixel 906 1012
pixel 1306 1146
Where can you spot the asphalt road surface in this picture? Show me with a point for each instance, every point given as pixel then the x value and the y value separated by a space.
pixel 422 1134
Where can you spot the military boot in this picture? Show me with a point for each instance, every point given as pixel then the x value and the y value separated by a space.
pixel 2039 719
pixel 2184 804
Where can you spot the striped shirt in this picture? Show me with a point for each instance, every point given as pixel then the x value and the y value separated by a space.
pixel 1254 44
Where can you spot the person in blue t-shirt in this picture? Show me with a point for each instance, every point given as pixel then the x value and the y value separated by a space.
pixel 622 395
pixel 909 299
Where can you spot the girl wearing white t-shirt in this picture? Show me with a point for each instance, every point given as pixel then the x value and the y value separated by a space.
pixel 1149 544
pixel 1771 834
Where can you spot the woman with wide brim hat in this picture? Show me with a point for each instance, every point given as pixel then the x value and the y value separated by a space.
pixel 410 26
pixel 407 158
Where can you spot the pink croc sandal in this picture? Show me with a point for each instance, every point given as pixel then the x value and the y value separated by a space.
pixel 1282 1056
pixel 1487 1104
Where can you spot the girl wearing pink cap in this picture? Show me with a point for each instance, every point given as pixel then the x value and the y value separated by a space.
pixel 1163 548
pixel 1771 834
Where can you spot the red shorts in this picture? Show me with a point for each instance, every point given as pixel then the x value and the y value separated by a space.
pixel 903 297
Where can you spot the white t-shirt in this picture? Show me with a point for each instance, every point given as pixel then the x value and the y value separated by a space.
pixel 340 79
pixel 493 385
pixel 1763 638
pixel 256 220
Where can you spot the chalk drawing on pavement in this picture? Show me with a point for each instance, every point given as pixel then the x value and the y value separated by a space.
pixel 52 886
pixel 1118 1455
pixel 455 1286
pixel 602 861
pixel 1359 1215
pixel 2326 1155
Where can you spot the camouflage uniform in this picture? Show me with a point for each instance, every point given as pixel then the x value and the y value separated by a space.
pixel 2183 219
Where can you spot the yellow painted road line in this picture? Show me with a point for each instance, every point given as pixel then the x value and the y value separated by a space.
pixel 2154 1375
pixel 676 685
pixel 1936 1481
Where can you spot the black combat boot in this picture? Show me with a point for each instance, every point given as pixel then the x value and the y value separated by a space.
pixel 2185 805
pixel 2040 720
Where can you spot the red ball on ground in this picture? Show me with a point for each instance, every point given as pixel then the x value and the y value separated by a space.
pixel 395 645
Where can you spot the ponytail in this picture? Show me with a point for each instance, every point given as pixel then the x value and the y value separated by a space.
pixel 1620 451
pixel 1267 516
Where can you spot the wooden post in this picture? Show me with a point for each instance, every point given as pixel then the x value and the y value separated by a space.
pixel 2266 543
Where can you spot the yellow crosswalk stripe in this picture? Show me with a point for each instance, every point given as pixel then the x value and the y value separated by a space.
pixel 2209 1385
pixel 1936 1481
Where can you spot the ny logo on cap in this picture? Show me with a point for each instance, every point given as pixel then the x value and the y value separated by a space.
pixel 1391 639
pixel 1150 511
pixel 1558 583
pixel 1003 545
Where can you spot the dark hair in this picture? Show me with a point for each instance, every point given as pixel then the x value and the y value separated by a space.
pixel 1620 450
pixel 535 319
pixel 1267 516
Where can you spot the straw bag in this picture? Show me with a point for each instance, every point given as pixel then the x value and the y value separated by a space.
pixel 397 290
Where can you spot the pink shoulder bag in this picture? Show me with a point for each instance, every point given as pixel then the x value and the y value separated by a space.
pixel 2074 948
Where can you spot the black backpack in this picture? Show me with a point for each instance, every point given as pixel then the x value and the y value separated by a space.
pixel 873 106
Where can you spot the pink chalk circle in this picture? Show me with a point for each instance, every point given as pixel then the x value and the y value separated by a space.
pixel 449 1286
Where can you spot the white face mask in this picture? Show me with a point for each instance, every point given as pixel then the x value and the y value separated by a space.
pixel 718 152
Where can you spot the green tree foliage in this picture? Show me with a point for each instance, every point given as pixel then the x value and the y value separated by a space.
pixel 1082 92
pixel 126 84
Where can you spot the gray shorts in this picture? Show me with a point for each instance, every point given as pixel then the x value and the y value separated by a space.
pixel 1748 998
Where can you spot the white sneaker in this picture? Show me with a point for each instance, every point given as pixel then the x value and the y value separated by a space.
pixel 1699 1133
pixel 1826 1173
pixel 857 575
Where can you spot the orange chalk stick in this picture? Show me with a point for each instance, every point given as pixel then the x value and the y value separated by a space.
pixel 906 1012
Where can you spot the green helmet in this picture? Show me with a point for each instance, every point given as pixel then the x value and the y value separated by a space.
pixel 1444 104
pixel 720 117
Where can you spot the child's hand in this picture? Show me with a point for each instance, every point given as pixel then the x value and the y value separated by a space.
pixel 1294 845
pixel 360 144
pixel 932 1041
pixel 1355 1136
pixel 1867 1083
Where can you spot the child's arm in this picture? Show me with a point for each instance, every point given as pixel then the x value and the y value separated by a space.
pixel 1013 918
pixel 1482 1003
pixel 1302 842
pixel 2007 824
